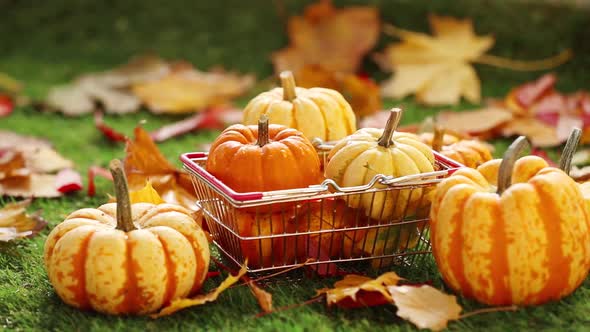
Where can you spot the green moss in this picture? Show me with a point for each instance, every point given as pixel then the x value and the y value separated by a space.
pixel 50 42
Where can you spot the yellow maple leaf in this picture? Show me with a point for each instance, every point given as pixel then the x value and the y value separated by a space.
pixel 437 68
pixel 425 306
pixel 146 194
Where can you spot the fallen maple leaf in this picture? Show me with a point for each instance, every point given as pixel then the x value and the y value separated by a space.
pixel 109 88
pixel 436 68
pixel 334 39
pixel 358 291
pixel 425 306
pixel 144 161
pixel 189 90
pixel 16 223
pixel 180 304
pixel 480 122
pixel 362 93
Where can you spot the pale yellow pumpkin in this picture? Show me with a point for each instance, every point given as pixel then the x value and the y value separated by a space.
pixel 316 112
pixel 356 159
pixel 126 259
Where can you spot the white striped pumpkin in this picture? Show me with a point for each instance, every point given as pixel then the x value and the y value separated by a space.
pixel 526 245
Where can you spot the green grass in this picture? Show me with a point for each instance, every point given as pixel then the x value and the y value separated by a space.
pixel 47 43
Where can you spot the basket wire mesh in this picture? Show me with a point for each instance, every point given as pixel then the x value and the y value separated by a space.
pixel 322 224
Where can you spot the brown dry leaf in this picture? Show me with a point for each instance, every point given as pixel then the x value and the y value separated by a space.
pixel 144 161
pixel 189 90
pixel 435 68
pixel 109 88
pixel 28 167
pixel 263 297
pixel 356 291
pixel 425 306
pixel 146 194
pixel 180 304
pixel 476 122
pixel 334 39
pixel 362 93
pixel 16 223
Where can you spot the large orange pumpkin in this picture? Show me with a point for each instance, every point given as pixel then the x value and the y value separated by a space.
pixel 126 259
pixel 263 158
pixel 527 243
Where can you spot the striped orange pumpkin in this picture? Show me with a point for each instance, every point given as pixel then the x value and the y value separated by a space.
pixel 469 152
pixel 126 259
pixel 527 243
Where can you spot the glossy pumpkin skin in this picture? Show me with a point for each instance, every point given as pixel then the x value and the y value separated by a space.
pixel 92 265
pixel 316 112
pixel 356 159
pixel 289 160
pixel 527 246
pixel 266 252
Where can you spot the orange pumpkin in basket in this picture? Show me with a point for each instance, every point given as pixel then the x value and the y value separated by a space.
pixel 265 252
pixel 515 232
pixel 468 152
pixel 263 158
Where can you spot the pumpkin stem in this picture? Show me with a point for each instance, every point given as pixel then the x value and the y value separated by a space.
pixel 438 138
pixel 288 84
pixel 565 161
pixel 508 160
pixel 395 115
pixel 262 131
pixel 124 220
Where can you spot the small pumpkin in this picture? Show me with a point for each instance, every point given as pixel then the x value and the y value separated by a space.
pixel 356 159
pixel 263 158
pixel 265 252
pixel 316 112
pixel 468 152
pixel 328 215
pixel 515 232
pixel 126 258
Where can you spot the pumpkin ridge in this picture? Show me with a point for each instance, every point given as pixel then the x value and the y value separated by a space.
pixel 556 281
pixel 502 293
pixel 455 255
pixel 79 273
pixel 170 273
pixel 130 301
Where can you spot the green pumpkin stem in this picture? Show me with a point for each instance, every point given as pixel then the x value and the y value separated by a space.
pixel 565 161
pixel 438 137
pixel 288 84
pixel 395 115
pixel 262 131
pixel 124 219
pixel 508 160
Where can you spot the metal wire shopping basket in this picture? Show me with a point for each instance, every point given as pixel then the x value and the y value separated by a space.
pixel 320 224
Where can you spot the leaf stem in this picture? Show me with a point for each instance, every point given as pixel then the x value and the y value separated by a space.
pixel 488 310
pixel 519 65
pixel 124 218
